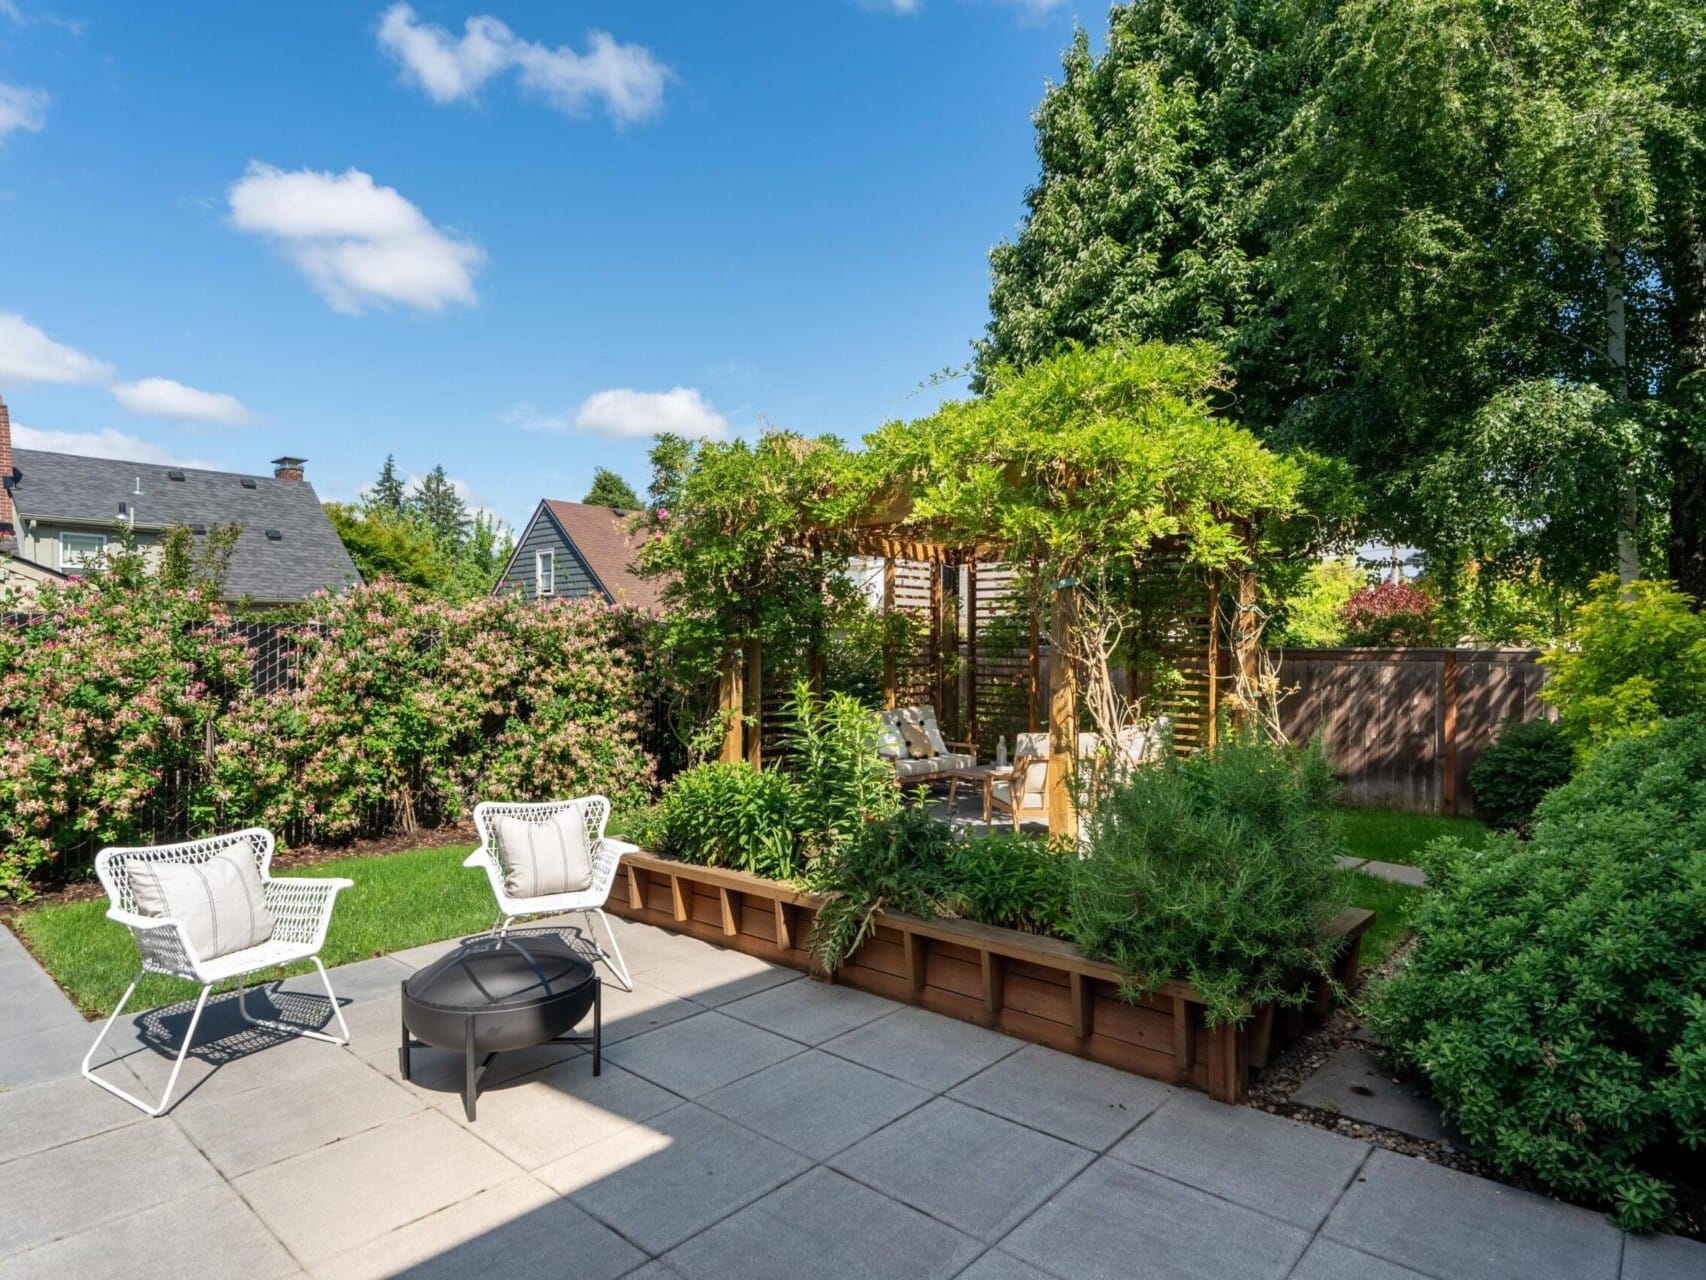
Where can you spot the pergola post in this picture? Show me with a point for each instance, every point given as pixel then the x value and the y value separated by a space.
pixel 730 705
pixel 1034 686
pixel 938 639
pixel 971 648
pixel 1216 673
pixel 755 699
pixel 889 662
pixel 1062 712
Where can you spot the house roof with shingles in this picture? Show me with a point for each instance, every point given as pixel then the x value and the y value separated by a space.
pixel 307 555
pixel 601 536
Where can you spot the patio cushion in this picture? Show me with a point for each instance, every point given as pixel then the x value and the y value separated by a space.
pixel 1030 744
pixel 219 903
pixel 932 764
pixel 890 745
pixel 917 745
pixel 544 858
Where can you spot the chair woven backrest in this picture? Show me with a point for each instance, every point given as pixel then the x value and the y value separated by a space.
pixel 113 865
pixel 594 811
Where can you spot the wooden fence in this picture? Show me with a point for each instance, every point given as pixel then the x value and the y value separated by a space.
pixel 1403 726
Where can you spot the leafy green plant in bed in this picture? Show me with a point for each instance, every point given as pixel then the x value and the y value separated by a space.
pixel 829 749
pixel 1217 869
pixel 732 815
pixel 1556 995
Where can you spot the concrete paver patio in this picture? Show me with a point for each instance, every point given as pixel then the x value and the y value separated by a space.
pixel 749 1122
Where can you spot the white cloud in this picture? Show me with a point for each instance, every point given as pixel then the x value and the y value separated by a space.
pixel 29 355
pixel 624 414
pixel 164 398
pixel 105 443
pixel 625 78
pixel 21 108
pixel 359 244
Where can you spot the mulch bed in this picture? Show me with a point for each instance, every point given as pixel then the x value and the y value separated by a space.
pixel 88 888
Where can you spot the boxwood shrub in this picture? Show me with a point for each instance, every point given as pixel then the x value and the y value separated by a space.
pixel 1556 996
pixel 1510 778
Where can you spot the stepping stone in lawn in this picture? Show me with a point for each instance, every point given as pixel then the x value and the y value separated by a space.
pixel 1355 1083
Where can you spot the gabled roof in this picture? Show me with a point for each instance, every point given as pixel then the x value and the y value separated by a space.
pixel 600 535
pixel 307 555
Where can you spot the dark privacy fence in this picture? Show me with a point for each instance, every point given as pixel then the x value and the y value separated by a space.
pixel 1404 726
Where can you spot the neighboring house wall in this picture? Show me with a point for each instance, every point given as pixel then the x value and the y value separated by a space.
pixel 62 547
pixel 573 579
pixel 19 580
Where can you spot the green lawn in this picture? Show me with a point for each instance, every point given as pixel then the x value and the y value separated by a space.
pixel 1392 905
pixel 1386 835
pixel 400 900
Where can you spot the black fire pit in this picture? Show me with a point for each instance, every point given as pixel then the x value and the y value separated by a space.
pixel 494 994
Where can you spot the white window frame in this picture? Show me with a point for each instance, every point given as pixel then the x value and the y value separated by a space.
pixel 545 572
pixel 93 544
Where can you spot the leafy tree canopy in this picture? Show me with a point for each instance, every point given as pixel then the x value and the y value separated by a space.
pixel 425 537
pixel 611 490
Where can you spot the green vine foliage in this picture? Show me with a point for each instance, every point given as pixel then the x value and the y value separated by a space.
pixel 1218 869
pixel 1556 995
pixel 1090 455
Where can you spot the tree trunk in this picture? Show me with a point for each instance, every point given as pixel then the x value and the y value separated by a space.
pixel 1686 553
pixel 1617 356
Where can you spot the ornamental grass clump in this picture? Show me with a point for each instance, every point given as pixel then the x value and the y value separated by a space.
pixel 1216 869
pixel 1556 995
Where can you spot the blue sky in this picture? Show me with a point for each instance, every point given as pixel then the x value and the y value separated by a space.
pixel 343 230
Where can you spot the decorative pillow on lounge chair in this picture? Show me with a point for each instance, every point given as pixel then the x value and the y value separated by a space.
pixel 544 858
pixel 219 903
pixel 890 745
pixel 917 745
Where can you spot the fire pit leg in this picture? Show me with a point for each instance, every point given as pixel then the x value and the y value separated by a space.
pixel 471 1071
pixel 597 1026
pixel 403 1051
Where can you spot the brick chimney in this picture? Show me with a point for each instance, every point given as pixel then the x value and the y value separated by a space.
pixel 287 468
pixel 8 516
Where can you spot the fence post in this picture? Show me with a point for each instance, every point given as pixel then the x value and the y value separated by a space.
pixel 1448 733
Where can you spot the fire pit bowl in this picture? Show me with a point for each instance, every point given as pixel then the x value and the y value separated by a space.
pixel 496 993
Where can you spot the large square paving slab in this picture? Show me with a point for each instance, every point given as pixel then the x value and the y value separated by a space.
pixel 66 1190
pixel 56 1113
pixel 810 1012
pixel 1663 1258
pixel 338 1196
pixel 1354 1082
pixel 1116 1221
pixel 517 1230
pixel 1284 1169
pixel 975 1171
pixel 922 1048
pixel 815 1103
pixel 823 1224
pixel 663 1181
pixel 702 1053
pixel 1449 1224
pixel 1083 1102
pixel 715 976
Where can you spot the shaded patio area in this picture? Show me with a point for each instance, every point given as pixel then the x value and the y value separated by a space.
pixel 749 1122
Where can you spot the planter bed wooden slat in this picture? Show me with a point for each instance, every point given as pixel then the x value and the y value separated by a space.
pixel 1036 988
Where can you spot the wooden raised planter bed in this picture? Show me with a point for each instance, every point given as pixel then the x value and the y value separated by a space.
pixel 1036 988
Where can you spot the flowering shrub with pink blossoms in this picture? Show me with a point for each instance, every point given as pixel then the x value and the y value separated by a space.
pixel 108 697
pixel 409 709
pixel 1389 613
pixel 128 714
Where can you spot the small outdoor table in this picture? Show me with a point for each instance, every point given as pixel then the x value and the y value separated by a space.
pixel 495 994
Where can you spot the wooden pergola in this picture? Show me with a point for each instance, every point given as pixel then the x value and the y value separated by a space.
pixel 888 534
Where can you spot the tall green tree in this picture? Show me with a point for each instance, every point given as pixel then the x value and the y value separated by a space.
pixel 437 506
pixel 611 490
pixel 1461 243
pixel 388 492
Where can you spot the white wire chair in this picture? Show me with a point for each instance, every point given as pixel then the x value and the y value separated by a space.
pixel 301 910
pixel 606 855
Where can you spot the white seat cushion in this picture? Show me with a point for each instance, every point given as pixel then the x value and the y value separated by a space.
pixel 540 859
pixel 219 902
pixel 914 768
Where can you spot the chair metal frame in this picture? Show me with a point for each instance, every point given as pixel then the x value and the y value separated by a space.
pixel 589 902
pixel 301 908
